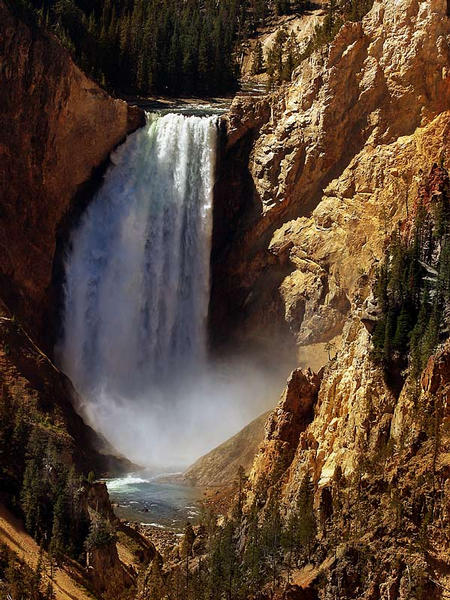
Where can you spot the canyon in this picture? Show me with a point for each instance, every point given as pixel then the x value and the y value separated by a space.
pixel 312 182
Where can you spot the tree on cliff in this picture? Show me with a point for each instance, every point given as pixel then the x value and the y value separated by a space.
pixel 253 556
pixel 307 524
pixel 275 58
pixel 225 572
pixel 58 541
pixel 412 286
pixel 154 584
pixel 258 59
pixel 271 536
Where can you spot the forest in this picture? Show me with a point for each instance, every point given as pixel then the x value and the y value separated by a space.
pixel 193 48
pixel 154 46
pixel 413 283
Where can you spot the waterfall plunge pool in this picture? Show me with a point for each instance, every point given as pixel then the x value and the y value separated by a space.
pixel 160 501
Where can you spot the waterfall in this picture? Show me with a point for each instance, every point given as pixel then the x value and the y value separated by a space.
pixel 137 274
pixel 134 338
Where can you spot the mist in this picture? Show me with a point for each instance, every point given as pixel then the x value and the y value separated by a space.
pixel 168 429
pixel 137 291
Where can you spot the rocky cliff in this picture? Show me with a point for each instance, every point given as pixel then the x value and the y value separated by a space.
pixel 322 170
pixel 335 164
pixel 56 128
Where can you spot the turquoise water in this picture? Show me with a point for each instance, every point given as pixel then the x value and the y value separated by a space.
pixel 154 500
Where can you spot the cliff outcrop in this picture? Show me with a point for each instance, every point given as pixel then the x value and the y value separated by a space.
pixel 56 127
pixel 331 161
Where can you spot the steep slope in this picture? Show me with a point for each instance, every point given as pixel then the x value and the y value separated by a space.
pixel 336 162
pixel 220 466
pixel 301 26
pixel 67 583
pixel 37 392
pixel 56 128
pixel 346 139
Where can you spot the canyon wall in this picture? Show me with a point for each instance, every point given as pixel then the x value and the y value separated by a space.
pixel 335 163
pixel 56 127
pixel 322 170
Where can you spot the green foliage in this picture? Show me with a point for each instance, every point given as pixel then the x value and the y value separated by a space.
pixel 253 558
pixel 50 498
pixel 223 562
pixel 244 554
pixel 173 48
pixel 149 46
pixel 307 526
pixel 100 534
pixel 258 59
pixel 284 56
pixel 413 287
pixel 18 581
pixel 154 583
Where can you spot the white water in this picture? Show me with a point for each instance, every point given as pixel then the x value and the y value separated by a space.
pixel 136 301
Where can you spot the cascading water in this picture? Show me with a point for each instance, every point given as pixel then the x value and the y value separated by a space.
pixel 137 278
pixel 136 302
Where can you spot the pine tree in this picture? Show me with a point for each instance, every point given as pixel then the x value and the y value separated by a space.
pixel 154 585
pixel 271 535
pixel 258 59
pixel 307 525
pixel 58 539
pixel 253 556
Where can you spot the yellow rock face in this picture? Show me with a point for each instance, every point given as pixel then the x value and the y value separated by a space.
pixel 335 168
pixel 334 158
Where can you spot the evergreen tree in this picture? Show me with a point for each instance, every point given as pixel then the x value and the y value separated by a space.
pixel 154 585
pixel 271 536
pixel 254 556
pixel 258 59
pixel 307 525
pixel 59 538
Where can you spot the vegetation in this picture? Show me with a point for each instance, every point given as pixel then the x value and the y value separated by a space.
pixel 41 485
pixel 258 59
pixel 18 581
pixel 413 283
pixel 50 499
pixel 155 47
pixel 100 534
pixel 150 46
pixel 285 55
pixel 246 553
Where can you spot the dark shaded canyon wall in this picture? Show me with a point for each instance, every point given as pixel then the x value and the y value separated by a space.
pixel 56 128
pixel 244 317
